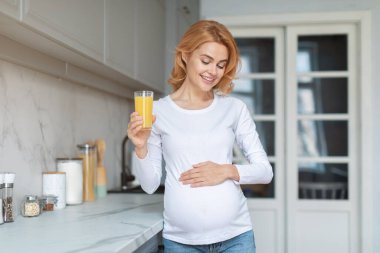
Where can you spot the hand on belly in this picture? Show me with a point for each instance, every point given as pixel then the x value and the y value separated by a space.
pixel 208 174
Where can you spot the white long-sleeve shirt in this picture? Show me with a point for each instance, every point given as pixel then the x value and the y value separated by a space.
pixel 208 214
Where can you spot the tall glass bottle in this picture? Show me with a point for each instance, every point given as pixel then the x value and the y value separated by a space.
pixel 88 154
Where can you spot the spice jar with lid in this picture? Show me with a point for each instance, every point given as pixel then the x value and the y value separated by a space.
pixel 88 154
pixel 8 212
pixel 48 202
pixel 30 206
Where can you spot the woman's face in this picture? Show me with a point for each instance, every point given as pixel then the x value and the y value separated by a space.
pixel 206 65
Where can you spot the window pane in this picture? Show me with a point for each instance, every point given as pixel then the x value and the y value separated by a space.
pixel 322 95
pixel 265 129
pixel 258 95
pixel 266 132
pixel 322 53
pixel 323 181
pixel 257 55
pixel 322 138
pixel 260 190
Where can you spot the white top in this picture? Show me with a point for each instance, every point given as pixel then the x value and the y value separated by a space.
pixel 210 214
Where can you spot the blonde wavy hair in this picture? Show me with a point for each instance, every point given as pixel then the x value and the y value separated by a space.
pixel 201 32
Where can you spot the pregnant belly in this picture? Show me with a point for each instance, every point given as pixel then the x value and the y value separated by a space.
pixel 203 208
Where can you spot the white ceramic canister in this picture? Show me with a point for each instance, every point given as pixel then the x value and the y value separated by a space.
pixel 54 183
pixel 74 179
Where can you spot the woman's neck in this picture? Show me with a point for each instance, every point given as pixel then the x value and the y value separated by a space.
pixel 192 99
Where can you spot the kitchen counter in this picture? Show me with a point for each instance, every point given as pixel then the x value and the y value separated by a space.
pixel 117 223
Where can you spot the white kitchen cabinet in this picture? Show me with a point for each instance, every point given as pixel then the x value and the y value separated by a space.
pixel 188 13
pixel 113 41
pixel 10 8
pixel 79 25
pixel 135 39
pixel 120 35
pixel 150 42
pixel 179 16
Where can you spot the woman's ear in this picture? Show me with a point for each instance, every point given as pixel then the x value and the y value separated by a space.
pixel 184 57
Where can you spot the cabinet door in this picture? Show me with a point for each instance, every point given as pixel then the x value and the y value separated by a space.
pixel 10 8
pixel 77 24
pixel 150 42
pixel 120 35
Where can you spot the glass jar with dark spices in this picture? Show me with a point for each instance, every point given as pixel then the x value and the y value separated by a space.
pixel 8 212
pixel 48 202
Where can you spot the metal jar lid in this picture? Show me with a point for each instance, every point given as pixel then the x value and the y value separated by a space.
pixel 86 146
pixel 50 198
pixel 31 198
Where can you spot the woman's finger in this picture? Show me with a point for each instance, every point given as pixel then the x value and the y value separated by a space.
pixel 136 130
pixel 193 181
pixel 135 124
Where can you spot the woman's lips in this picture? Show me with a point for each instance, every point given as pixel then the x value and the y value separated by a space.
pixel 207 79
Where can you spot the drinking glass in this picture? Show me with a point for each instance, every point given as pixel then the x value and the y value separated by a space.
pixel 144 106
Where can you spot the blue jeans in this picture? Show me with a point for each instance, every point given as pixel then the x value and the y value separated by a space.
pixel 243 243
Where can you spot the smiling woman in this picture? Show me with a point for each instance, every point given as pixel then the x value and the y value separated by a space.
pixel 199 34
pixel 194 131
pixel 208 63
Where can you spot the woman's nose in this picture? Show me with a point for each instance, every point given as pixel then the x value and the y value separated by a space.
pixel 213 69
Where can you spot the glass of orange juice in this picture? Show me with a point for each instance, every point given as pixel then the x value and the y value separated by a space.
pixel 144 107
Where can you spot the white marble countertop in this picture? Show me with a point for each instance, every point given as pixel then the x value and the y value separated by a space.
pixel 117 223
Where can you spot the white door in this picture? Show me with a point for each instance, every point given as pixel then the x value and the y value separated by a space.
pixel 322 170
pixel 261 86
pixel 300 83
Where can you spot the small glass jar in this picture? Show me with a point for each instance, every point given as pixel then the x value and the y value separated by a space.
pixel 30 206
pixel 48 202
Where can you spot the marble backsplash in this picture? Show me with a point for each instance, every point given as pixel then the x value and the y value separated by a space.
pixel 43 117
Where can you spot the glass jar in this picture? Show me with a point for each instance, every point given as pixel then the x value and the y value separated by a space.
pixel 30 206
pixel 48 202
pixel 88 154
pixel 8 208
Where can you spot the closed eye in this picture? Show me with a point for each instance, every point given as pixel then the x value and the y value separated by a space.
pixel 221 66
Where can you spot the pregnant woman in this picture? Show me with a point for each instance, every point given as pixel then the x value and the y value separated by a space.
pixel 194 130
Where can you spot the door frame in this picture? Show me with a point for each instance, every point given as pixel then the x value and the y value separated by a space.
pixel 362 19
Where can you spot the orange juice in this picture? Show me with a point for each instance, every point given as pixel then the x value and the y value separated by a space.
pixel 144 106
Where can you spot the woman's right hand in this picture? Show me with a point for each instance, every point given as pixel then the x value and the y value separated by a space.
pixel 137 135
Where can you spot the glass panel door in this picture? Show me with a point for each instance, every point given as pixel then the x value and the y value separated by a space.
pixel 260 85
pixel 317 97
pixel 258 93
pixel 321 137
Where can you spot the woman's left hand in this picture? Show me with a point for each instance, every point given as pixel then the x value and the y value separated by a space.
pixel 208 174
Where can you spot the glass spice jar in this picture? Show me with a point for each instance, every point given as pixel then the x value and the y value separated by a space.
pixel 48 202
pixel 30 206
pixel 8 212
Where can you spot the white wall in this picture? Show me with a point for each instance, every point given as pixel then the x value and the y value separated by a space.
pixel 216 8
pixel 42 118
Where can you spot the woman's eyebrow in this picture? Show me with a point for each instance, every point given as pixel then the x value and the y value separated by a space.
pixel 208 56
